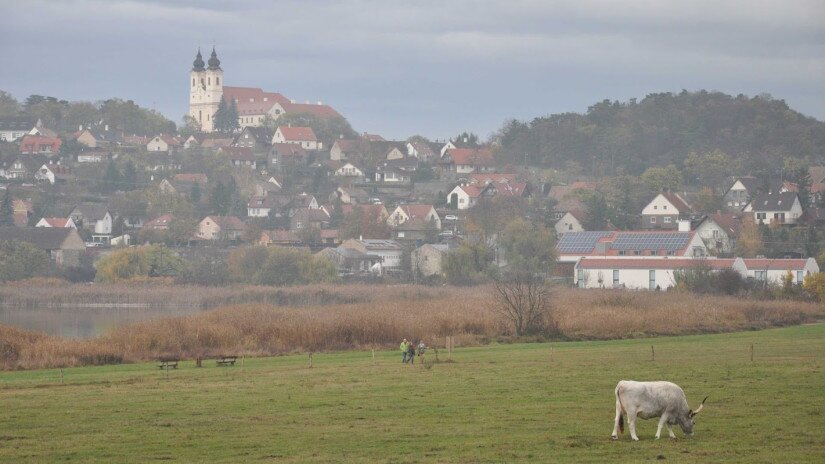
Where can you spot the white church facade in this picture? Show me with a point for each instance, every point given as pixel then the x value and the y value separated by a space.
pixel 254 105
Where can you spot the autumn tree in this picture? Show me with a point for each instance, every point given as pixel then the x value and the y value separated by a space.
pixel 21 260
pixel 749 243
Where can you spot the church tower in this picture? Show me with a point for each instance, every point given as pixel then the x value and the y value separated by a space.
pixel 206 90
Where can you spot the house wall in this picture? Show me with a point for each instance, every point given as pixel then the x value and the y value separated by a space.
pixel 791 217
pixel 427 260
pixel 86 138
pixel 716 238
pixel 628 278
pixel 736 197
pixel 208 229
pixel 157 144
pixel 464 200
pixel 568 223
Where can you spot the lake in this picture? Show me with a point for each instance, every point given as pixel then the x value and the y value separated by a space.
pixel 87 321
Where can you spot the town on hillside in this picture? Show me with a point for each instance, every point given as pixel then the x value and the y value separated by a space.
pixel 250 168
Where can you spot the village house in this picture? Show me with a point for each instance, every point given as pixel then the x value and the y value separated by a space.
pixel 424 213
pixel 239 157
pixel 303 136
pixel 345 149
pixel 95 218
pixel 573 246
pixel 54 173
pixel 56 222
pixel 775 208
pixel 458 143
pixel 467 160
pixel 464 196
pixel 31 144
pixel 773 271
pixel 350 195
pixel 23 167
pixel 288 154
pixel 259 139
pixel 161 222
pixel 261 206
pixel 424 151
pixel 97 136
pixel 309 218
pixel 665 211
pixel 15 127
pixel 740 193
pixel 22 211
pixel 571 221
pixel 388 251
pixel 349 170
pixel 426 260
pixel 93 156
pixel 163 143
pixel 351 262
pixel 220 228
pixel 719 231
pixel 63 245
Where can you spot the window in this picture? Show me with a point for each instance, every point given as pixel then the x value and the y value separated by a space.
pixel 664 207
pixel 799 277
pixel 653 220
pixel 652 279
pixel 667 219
pixel 209 81
pixel 760 216
pixel 580 278
pixel 637 252
pixel 715 233
pixel 622 252
pixel 217 81
pixel 760 275
pixel 615 277
pixel 193 82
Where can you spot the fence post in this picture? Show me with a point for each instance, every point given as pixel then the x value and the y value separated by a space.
pixel 61 376
pixel 652 354
pixel 373 356
pixel 551 353
pixel 310 360
pixel 751 352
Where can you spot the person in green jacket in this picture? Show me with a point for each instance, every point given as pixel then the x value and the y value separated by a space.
pixel 404 346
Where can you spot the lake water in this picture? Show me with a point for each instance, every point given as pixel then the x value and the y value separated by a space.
pixel 86 321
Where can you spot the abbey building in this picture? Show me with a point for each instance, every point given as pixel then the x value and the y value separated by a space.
pixel 207 89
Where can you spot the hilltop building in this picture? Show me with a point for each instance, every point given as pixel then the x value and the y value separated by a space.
pixel 206 89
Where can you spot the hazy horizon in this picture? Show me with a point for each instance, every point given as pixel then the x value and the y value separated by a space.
pixel 430 68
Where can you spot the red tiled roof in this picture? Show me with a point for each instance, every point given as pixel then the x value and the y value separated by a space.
pixel 584 185
pixel 56 222
pixel 471 156
pixel 473 191
pixel 160 222
pixel 228 222
pixel 654 263
pixel 192 177
pixel 329 233
pixel 320 111
pixel 775 264
pixel 252 100
pixel 676 200
pixel 515 189
pixel 289 149
pixel 239 153
pixel 33 144
pixel 416 211
pixel 301 134
pixel 492 178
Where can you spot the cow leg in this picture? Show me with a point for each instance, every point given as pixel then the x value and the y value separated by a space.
pixel 615 435
pixel 670 431
pixel 631 422
pixel 662 421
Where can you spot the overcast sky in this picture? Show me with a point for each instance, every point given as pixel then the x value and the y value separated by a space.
pixel 435 68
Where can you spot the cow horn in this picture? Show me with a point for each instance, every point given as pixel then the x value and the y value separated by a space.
pixel 699 409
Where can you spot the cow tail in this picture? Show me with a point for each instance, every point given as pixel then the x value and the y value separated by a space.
pixel 621 423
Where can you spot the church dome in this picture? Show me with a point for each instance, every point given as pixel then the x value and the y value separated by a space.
pixel 214 62
pixel 197 65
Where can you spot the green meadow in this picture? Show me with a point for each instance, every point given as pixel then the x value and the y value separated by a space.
pixel 499 403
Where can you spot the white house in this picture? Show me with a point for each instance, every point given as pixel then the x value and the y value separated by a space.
pixel 664 211
pixel 349 170
pixel 464 196
pixel 303 136
pixel 13 128
pixel 625 244
pixel 719 232
pixel 640 273
pixel 774 270
pixel 260 206
pixel 162 143
pixel 53 173
pixel 404 213
pixel 56 222
pixel 775 208
pixel 96 218
pixel 571 222
pixel 389 251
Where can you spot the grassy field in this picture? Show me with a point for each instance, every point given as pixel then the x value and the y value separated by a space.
pixel 499 403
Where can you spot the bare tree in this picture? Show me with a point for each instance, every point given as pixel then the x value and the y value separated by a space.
pixel 525 301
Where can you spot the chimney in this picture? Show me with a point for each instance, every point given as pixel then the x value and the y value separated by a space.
pixel 106 128
pixel 80 127
pixel 465 139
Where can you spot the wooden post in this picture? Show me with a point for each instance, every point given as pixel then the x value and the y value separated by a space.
pixel 310 360
pixel 652 354
pixel 551 353
pixel 61 376
pixel 751 352
pixel 243 358
pixel 373 356
pixel 198 362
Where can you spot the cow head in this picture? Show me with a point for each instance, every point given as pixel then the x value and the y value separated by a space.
pixel 686 422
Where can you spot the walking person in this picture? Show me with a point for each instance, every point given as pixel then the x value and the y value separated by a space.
pixel 411 352
pixel 403 347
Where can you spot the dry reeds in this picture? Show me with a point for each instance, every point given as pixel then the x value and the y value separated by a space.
pixel 350 317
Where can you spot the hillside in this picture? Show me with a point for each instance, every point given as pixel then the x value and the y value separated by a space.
pixel 662 129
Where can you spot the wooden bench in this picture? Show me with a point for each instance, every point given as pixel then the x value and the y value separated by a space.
pixel 167 363
pixel 226 360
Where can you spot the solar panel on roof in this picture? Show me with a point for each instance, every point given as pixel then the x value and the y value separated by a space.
pixel 580 242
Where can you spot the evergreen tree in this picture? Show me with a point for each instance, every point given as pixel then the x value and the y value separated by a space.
pixel 232 117
pixel 6 210
pixel 111 179
pixel 195 193
pixel 130 176
pixel 803 182
pixel 220 118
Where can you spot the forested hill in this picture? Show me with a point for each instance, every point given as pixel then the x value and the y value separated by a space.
pixel 663 129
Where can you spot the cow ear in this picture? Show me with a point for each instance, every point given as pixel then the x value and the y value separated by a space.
pixel 691 413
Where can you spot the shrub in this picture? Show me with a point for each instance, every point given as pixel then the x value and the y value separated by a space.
pixel 815 285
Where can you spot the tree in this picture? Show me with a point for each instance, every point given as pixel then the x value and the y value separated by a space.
pixel 9 106
pixel 468 264
pixel 815 285
pixel 750 239
pixel 598 212
pixel 525 301
pixel 707 202
pixel 112 179
pixel 220 120
pixel 711 168
pixel 220 200
pixel 129 177
pixel 122 265
pixel 803 182
pixel 190 126
pixel 232 116
pixel 130 205
pixel 528 247
pixel 6 209
pixel 658 179
pixel 195 193
pixel 21 260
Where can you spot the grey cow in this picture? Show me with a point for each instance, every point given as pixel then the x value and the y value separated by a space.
pixel 646 400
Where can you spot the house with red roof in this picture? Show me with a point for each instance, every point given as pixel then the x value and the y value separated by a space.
pixel 163 143
pixel 720 231
pixel 465 196
pixel 228 228
pixel 665 211
pixel 239 157
pixel 160 223
pixel 302 136
pixel 54 173
pixel 421 213
pixel 56 222
pixel 468 160
pixel 624 244
pixel 38 144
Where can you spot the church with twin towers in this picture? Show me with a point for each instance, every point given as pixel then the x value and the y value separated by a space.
pixel 207 89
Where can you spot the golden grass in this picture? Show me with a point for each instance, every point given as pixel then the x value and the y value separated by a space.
pixel 327 318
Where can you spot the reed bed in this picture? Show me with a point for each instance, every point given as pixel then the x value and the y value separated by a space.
pixel 362 317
